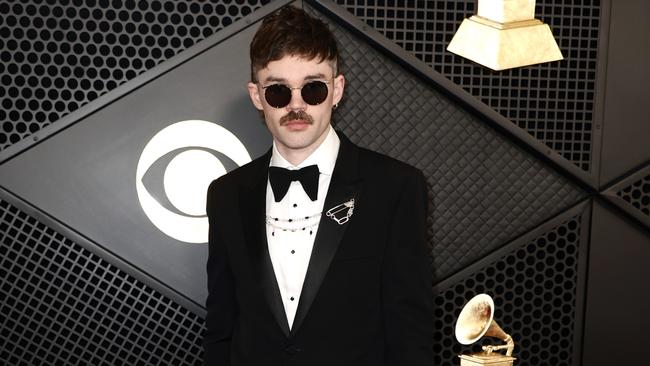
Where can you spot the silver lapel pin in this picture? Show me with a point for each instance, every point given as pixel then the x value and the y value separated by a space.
pixel 337 213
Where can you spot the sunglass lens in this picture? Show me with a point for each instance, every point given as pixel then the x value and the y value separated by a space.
pixel 314 92
pixel 277 95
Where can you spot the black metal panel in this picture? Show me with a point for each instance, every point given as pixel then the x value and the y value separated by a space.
pixel 553 102
pixel 537 283
pixel 58 56
pixel 484 189
pixel 64 305
pixel 617 290
pixel 626 125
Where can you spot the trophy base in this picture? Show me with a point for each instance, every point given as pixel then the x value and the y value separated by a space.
pixel 502 46
pixel 493 359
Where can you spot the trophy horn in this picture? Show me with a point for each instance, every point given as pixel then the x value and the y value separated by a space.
pixel 476 320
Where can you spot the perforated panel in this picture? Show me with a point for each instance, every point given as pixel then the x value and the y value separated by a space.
pixel 58 55
pixel 638 194
pixel 554 102
pixel 534 291
pixel 60 304
pixel 483 189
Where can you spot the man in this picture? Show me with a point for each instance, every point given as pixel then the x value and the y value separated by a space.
pixel 317 249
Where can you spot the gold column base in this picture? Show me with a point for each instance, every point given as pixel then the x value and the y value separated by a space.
pixel 501 46
pixel 493 359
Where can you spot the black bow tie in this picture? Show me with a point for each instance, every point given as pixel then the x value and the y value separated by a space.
pixel 281 178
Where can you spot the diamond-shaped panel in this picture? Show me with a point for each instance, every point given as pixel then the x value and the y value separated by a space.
pixel 484 189
pixel 534 288
pixel 553 102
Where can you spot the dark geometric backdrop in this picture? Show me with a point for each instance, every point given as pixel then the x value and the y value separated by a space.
pixel 554 102
pixel 513 160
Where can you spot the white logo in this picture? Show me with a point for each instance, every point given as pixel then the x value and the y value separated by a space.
pixel 187 176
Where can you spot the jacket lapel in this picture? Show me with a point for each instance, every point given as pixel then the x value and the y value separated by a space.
pixel 343 187
pixel 252 200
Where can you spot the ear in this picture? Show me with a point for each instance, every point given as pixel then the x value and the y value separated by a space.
pixel 254 93
pixel 339 85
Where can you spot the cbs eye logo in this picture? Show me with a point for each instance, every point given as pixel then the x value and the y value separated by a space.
pixel 174 171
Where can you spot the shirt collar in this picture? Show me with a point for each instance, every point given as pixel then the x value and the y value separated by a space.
pixel 324 156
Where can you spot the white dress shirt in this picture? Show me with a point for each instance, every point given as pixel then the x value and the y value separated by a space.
pixel 292 222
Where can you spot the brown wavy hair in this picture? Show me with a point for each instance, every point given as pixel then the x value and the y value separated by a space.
pixel 290 31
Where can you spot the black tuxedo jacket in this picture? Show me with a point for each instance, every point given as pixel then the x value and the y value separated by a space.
pixel 366 298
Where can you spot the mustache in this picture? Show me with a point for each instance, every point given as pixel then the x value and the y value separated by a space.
pixel 293 115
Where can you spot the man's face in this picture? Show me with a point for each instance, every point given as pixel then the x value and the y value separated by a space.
pixel 298 128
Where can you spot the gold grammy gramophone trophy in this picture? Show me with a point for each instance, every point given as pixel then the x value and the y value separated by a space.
pixel 475 321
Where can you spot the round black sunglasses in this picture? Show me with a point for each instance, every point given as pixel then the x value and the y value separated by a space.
pixel 279 95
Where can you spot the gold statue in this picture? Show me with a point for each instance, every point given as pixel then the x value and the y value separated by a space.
pixel 475 321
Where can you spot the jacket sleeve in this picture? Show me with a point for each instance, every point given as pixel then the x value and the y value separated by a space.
pixel 220 304
pixel 407 297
